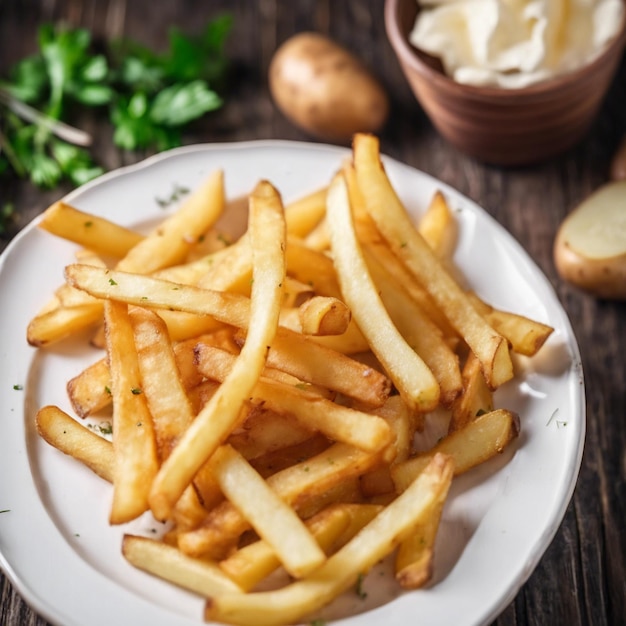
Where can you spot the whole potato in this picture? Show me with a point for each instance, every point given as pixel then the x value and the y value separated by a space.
pixel 590 246
pixel 325 90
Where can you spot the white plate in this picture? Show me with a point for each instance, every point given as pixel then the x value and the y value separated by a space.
pixel 55 542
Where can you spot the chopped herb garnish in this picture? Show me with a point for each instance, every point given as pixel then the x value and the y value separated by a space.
pixel 359 587
pixel 136 391
pixel 107 390
pixel 176 194
pixel 5 511
pixel 88 224
pixel 112 282
pixel 18 387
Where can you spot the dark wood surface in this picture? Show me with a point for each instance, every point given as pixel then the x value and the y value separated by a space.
pixel 581 578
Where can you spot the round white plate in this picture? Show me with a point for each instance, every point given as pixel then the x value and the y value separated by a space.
pixel 55 542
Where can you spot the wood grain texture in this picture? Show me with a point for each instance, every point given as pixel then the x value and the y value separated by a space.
pixel 581 578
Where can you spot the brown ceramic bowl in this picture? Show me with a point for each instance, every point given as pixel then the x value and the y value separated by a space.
pixel 503 126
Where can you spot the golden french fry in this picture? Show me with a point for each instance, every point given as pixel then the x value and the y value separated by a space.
pixel 362 430
pixel 90 231
pixel 172 239
pixel 90 391
pixel 165 561
pixel 410 374
pixel 476 398
pixel 480 440
pixel 220 415
pixel 420 332
pixel 332 527
pixel 252 563
pixel 396 413
pixel 414 559
pixel 296 485
pixel 61 323
pixel 392 220
pixel 318 238
pixel 525 335
pixel 161 382
pixel 323 315
pixel 266 433
pixel 272 518
pixel 67 435
pixel 133 433
pixel 438 227
pixel 303 214
pixel 328 368
pixel 312 268
pixel 159 294
pixel 291 603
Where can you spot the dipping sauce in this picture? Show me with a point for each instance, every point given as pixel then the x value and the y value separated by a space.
pixel 514 43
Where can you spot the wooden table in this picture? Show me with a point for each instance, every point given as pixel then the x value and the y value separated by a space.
pixel 581 578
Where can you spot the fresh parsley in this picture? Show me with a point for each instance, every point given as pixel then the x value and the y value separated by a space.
pixel 148 98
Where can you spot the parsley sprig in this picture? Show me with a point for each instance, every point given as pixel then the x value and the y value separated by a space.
pixel 147 97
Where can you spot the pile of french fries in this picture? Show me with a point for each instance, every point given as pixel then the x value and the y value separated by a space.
pixel 266 394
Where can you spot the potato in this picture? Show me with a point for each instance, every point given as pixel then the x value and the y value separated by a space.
pixel 590 246
pixel 325 90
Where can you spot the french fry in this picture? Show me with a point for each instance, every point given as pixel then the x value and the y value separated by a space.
pixel 476 398
pixel 328 368
pixel 272 441
pixel 252 563
pixel 480 440
pixel 318 238
pixel 271 517
pixel 525 335
pixel 159 294
pixel 362 430
pixel 438 227
pixel 164 561
pixel 414 559
pixel 161 382
pixel 296 485
pixel 412 377
pixel 60 323
pixel 396 413
pixel 133 433
pixel 87 230
pixel 312 268
pixel 67 435
pixel 420 332
pixel 90 391
pixel 218 418
pixel 303 214
pixel 322 315
pixel 332 527
pixel 291 603
pixel 393 222
pixel 172 239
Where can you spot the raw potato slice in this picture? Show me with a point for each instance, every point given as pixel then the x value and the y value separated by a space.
pixel 590 246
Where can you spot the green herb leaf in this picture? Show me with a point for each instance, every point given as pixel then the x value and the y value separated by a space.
pixel 181 103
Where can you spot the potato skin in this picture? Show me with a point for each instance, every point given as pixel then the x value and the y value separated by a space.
pixel 326 91
pixel 604 278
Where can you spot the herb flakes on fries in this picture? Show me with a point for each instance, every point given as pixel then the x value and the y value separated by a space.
pixel 268 397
